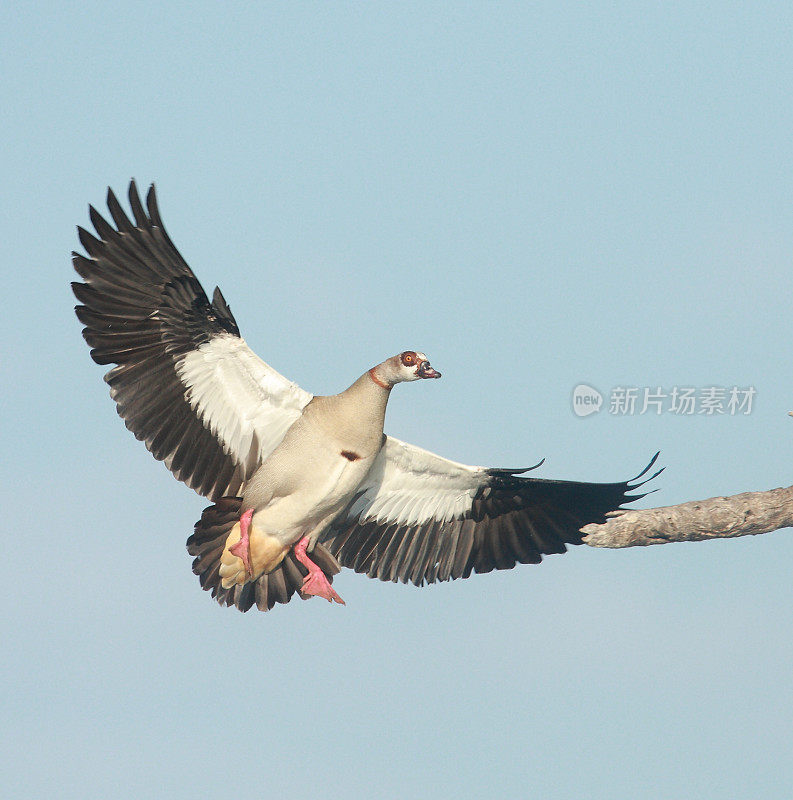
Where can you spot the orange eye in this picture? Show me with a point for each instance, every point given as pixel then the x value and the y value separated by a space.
pixel 409 358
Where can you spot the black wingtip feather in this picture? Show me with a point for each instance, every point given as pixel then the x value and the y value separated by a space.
pixel 103 228
pixel 151 204
pixel 507 471
pixel 91 244
pixel 648 468
pixel 635 483
pixel 118 214
pixel 141 220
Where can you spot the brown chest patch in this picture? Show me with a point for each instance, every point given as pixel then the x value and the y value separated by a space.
pixel 350 456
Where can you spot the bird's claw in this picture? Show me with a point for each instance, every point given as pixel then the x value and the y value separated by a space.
pixel 243 551
pixel 315 583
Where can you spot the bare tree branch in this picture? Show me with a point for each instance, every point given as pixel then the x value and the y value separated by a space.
pixel 745 514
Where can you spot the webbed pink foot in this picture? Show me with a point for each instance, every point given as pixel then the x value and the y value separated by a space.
pixel 315 583
pixel 243 547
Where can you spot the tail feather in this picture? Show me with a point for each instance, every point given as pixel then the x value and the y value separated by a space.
pixel 277 586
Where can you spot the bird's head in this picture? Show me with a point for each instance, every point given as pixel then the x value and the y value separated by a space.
pixel 409 365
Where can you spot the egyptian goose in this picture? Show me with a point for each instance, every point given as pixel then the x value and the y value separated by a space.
pixel 300 485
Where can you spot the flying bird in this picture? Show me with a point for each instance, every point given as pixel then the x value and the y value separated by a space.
pixel 300 485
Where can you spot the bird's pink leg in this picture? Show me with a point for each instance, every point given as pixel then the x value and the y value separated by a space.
pixel 243 547
pixel 315 582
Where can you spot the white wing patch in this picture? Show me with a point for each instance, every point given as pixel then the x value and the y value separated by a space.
pixel 410 486
pixel 246 404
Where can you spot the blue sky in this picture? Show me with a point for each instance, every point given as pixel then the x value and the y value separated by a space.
pixel 537 196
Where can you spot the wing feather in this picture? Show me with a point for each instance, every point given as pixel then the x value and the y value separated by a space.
pixel 421 518
pixel 184 380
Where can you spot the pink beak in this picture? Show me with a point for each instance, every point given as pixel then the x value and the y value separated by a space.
pixel 426 371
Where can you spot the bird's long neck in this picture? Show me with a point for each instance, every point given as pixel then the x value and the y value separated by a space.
pixel 379 380
pixel 357 415
pixel 367 398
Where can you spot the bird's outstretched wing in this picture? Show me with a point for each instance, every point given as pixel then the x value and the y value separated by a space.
pixel 422 518
pixel 185 382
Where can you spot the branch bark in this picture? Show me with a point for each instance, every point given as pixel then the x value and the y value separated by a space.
pixel 746 514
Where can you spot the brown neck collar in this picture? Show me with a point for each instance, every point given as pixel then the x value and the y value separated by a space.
pixel 377 380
